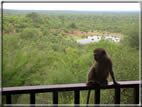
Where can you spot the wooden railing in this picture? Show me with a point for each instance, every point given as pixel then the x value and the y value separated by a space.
pixel 32 90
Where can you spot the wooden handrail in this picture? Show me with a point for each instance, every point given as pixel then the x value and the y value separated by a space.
pixel 32 90
pixel 65 87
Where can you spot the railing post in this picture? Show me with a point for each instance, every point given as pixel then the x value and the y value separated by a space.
pixel 117 95
pixel 77 96
pixel 32 99
pixel 55 97
pixel 136 95
pixel 8 98
pixel 97 96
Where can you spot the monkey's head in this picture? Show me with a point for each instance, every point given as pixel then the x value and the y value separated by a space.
pixel 99 54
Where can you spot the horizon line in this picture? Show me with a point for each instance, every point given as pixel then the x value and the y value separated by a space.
pixel 72 10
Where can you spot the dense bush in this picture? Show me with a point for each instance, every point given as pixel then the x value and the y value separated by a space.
pixel 29 33
pixel 132 37
pixel 43 54
pixel 39 63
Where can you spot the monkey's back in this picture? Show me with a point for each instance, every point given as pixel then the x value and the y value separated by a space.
pixel 102 70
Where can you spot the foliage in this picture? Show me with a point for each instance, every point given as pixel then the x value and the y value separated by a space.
pixel 29 33
pixel 37 53
pixel 35 17
pixel 132 37
pixel 73 26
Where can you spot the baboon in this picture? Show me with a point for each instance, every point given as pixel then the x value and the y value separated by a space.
pixel 99 71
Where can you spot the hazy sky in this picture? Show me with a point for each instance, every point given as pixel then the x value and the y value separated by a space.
pixel 74 6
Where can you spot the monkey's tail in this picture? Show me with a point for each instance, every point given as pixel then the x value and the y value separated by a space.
pixel 89 91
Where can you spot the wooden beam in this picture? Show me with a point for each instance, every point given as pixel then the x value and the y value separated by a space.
pixel 8 98
pixel 55 97
pixel 77 96
pixel 136 95
pixel 117 95
pixel 32 98
pixel 65 87
pixel 97 96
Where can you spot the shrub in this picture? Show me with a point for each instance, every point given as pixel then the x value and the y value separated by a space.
pixel 73 26
pixel 29 33
pixel 132 37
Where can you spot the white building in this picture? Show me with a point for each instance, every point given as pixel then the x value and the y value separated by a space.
pixel 97 38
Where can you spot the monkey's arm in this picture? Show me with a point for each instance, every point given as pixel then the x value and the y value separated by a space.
pixel 113 78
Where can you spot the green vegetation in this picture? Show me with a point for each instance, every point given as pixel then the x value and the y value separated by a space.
pixel 132 37
pixel 38 49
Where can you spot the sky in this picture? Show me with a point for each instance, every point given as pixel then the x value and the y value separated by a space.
pixel 74 6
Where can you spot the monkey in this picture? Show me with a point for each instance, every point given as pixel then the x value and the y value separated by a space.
pixel 100 70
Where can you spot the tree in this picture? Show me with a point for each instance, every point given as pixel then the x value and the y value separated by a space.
pixel 72 25
pixel 62 19
pixel 29 33
pixel 35 17
pixel 132 37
